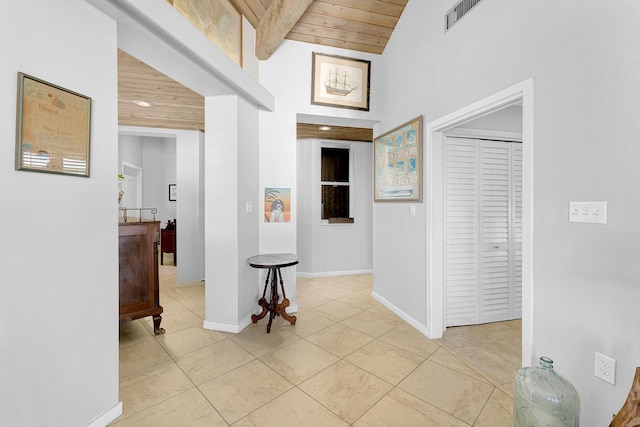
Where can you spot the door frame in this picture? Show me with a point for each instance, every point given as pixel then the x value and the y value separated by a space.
pixel 434 167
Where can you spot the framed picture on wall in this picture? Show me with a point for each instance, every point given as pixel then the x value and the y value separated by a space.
pixel 337 81
pixel 277 204
pixel 219 20
pixel 53 128
pixel 397 168
pixel 173 192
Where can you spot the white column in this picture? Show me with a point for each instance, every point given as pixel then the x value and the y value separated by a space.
pixel 231 231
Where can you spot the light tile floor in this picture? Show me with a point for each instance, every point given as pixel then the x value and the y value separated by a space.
pixel 347 361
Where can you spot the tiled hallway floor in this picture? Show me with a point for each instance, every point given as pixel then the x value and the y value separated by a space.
pixel 347 361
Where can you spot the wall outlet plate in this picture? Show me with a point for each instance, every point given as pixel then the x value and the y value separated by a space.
pixel 588 212
pixel 605 368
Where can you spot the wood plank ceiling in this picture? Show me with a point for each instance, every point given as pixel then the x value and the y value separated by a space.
pixel 359 25
pixel 173 106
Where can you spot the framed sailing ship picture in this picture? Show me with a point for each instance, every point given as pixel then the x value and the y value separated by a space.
pixel 397 165
pixel 337 81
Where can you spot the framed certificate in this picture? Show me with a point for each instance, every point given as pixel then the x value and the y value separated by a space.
pixel 53 128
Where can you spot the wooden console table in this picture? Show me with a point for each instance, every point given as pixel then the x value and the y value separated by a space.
pixel 139 285
pixel 274 262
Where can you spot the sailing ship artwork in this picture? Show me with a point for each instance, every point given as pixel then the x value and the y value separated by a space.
pixel 340 82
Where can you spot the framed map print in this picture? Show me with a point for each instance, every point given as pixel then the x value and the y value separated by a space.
pixel 397 164
pixel 219 20
pixel 53 128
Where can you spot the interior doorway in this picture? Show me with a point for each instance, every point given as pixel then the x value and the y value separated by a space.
pixel 521 93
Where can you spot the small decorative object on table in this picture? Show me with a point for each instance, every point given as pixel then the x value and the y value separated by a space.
pixel 275 308
pixel 543 398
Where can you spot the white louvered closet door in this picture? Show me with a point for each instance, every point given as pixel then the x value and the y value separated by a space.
pixel 483 235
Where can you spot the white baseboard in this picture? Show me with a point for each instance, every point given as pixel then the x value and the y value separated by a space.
pixel 106 418
pixel 410 320
pixel 333 273
pixel 188 284
pixel 227 327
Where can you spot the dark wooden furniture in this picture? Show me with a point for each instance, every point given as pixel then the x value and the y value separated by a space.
pixel 168 242
pixel 274 307
pixel 139 286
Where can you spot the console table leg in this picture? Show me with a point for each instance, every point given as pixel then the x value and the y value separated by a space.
pixel 156 325
pixel 262 302
pixel 273 306
pixel 265 307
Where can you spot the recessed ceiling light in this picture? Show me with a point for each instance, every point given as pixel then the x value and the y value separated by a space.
pixel 142 103
pixel 325 128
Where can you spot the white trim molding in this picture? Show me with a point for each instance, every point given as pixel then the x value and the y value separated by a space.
pixel 107 417
pixel 518 93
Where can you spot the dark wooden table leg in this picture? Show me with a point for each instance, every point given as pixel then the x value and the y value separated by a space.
pixel 273 306
pixel 281 308
pixel 262 302
pixel 156 325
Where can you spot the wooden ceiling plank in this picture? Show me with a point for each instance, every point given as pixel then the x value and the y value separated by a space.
pixel 346 25
pixel 330 33
pixel 374 6
pixel 306 131
pixel 276 24
pixel 343 44
pixel 402 3
pixel 359 15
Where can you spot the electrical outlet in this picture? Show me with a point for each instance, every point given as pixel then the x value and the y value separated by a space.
pixel 605 368
pixel 588 212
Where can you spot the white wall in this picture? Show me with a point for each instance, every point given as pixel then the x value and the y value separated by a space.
pixel 287 74
pixel 156 156
pixel 506 120
pixel 130 149
pixel 59 257
pixel 585 291
pixel 189 207
pixel 334 249
pixel 169 176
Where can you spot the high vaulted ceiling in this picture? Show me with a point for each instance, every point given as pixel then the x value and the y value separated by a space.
pixel 359 25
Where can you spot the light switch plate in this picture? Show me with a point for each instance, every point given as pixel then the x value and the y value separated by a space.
pixel 588 212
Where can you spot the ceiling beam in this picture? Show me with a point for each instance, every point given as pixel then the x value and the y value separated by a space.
pixel 276 23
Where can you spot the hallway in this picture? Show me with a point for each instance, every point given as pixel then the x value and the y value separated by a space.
pixel 347 361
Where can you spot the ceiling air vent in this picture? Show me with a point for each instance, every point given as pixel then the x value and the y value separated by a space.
pixel 458 11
